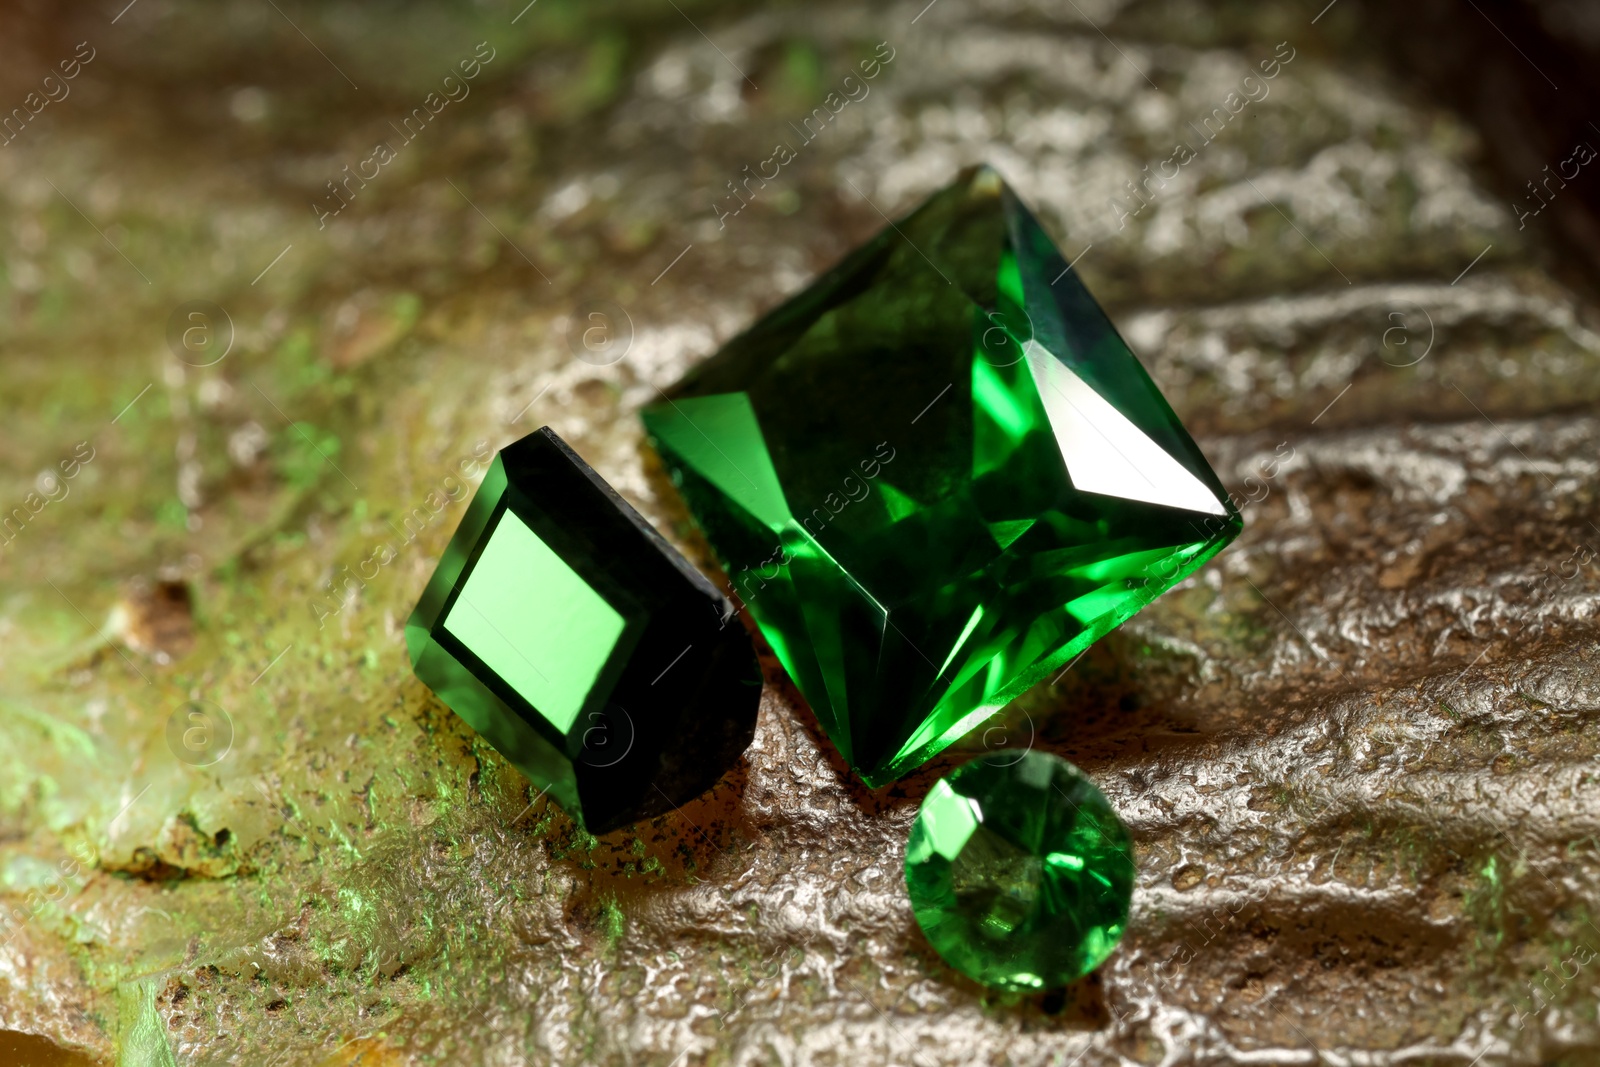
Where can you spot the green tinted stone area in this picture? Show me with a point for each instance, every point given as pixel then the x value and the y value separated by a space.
pixel 592 655
pixel 1019 872
pixel 937 475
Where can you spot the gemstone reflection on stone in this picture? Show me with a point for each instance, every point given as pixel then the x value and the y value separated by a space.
pixel 937 475
pixel 581 645
pixel 1019 872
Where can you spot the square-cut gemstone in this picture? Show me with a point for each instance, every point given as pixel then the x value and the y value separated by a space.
pixel 937 475
pixel 592 655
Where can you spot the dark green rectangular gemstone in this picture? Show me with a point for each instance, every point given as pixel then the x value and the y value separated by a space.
pixel 581 645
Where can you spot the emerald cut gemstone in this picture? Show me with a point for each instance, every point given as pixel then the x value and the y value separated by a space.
pixel 563 629
pixel 937 475
pixel 1019 872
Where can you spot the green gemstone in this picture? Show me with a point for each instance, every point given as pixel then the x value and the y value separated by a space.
pixel 1019 872
pixel 937 475
pixel 575 640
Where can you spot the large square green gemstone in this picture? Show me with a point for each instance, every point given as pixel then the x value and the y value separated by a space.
pixel 937 475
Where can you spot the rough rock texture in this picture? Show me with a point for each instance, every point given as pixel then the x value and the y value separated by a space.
pixel 1357 751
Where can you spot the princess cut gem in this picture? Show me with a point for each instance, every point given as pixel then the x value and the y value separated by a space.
pixel 937 475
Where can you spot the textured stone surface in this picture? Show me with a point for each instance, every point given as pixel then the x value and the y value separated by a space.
pixel 1356 752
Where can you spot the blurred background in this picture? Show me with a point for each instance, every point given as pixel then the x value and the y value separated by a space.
pixel 242 347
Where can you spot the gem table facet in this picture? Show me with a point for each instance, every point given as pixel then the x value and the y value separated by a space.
pixel 937 475
pixel 1019 872
pixel 592 655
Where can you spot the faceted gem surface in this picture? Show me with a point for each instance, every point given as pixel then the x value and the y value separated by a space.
pixel 592 655
pixel 937 475
pixel 1019 872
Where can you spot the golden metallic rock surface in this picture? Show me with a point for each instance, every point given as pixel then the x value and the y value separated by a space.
pixel 1357 752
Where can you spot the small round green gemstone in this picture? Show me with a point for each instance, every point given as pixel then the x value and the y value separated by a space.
pixel 1019 872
